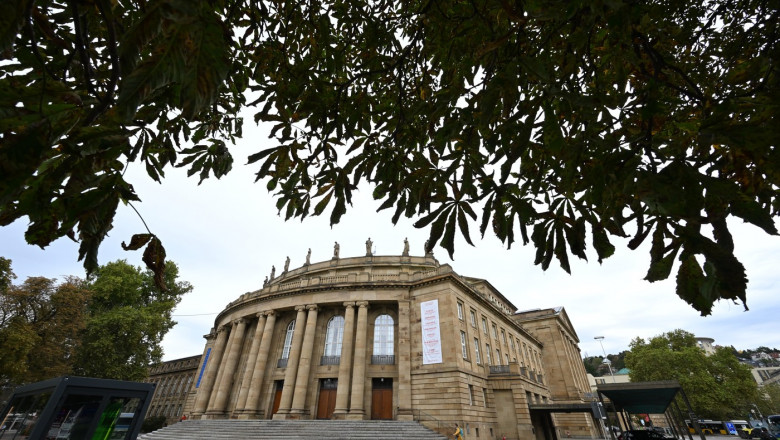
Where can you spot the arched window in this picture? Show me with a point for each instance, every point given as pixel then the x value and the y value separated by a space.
pixel 383 336
pixel 334 336
pixel 288 340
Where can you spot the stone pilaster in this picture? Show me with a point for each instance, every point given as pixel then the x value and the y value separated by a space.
pixel 204 393
pixel 404 350
pixel 223 389
pixel 246 378
pixel 345 363
pixel 252 400
pixel 292 365
pixel 356 411
pixel 304 365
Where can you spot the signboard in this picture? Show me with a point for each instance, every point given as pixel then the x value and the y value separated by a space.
pixel 203 368
pixel 431 333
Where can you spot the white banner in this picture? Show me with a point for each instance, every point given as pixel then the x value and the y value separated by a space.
pixel 431 333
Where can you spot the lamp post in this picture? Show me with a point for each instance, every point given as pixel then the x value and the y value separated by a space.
pixel 606 361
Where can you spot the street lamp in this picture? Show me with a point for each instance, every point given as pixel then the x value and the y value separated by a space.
pixel 606 361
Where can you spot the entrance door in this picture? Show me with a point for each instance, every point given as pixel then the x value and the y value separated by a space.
pixel 327 401
pixel 382 399
pixel 277 396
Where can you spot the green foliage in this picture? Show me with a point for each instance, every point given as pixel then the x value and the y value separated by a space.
pixel 128 317
pixel 110 326
pixel 40 325
pixel 568 122
pixel 770 402
pixel 718 386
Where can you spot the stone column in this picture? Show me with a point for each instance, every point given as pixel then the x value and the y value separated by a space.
pixel 258 372
pixel 204 392
pixel 345 363
pixel 404 350
pixel 356 411
pixel 304 365
pixel 223 389
pixel 292 365
pixel 246 378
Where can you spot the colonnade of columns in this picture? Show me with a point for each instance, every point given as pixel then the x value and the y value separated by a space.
pixel 221 369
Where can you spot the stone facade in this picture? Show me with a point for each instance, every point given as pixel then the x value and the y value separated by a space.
pixel 174 381
pixel 390 337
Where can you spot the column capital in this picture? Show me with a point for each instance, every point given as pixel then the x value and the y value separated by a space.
pixel 269 312
pixel 239 321
pixel 222 328
pixel 349 304
pixel 311 307
pixel 300 308
pixel 362 304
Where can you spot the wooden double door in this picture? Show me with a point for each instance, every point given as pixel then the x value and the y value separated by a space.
pixel 327 401
pixel 382 398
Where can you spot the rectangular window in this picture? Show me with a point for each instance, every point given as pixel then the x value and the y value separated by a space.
pixel 507 358
pixel 474 319
pixel 460 311
pixel 463 346
pixel 498 357
pixel 495 331
pixel 487 354
pixel 471 395
pixel 503 336
pixel 484 396
pixel 484 325
pixel 512 342
pixel 476 351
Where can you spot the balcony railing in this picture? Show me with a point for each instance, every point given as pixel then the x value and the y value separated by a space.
pixel 330 360
pixel 383 359
pixel 499 369
pixel 281 363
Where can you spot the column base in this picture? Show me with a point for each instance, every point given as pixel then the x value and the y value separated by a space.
pixel 280 416
pixel 355 415
pixel 340 414
pixel 249 415
pixel 213 416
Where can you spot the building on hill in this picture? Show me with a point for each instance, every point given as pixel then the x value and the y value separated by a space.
pixel 393 337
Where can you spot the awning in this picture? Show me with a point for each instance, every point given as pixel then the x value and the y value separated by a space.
pixel 641 397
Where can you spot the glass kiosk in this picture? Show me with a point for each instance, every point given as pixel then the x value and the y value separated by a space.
pixel 76 408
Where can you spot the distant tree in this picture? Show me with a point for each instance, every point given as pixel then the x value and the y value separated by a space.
pixel 566 123
pixel 718 386
pixel 128 317
pixel 592 363
pixel 40 328
pixel 770 398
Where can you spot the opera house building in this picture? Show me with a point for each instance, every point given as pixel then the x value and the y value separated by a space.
pixel 392 337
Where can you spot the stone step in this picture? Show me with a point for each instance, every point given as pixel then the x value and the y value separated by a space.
pixel 293 429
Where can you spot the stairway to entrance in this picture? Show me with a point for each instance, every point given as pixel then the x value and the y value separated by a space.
pixel 293 429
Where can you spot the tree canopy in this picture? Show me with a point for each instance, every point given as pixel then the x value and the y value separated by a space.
pixel 128 316
pixel 646 120
pixel 110 326
pixel 718 386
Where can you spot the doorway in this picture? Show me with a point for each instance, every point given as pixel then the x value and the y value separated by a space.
pixel 277 396
pixel 382 398
pixel 327 401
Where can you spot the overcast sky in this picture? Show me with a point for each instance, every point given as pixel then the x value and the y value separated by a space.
pixel 225 235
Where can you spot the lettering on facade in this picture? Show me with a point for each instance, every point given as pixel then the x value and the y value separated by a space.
pixel 431 333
